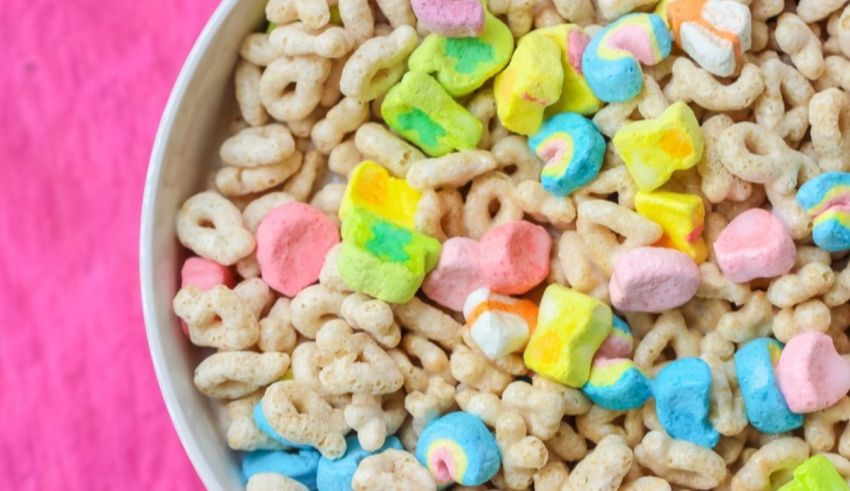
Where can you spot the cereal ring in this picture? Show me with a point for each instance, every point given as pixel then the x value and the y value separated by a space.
pixel 212 227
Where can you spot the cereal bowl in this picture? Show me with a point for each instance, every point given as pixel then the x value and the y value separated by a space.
pixel 186 147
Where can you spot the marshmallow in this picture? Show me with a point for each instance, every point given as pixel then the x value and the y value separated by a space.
pixel 572 149
pixel 576 95
pixel 570 328
pixel 681 216
pixel 514 257
pixel 454 18
pixel 371 188
pixel 384 260
pixel 619 343
pixel 292 242
pixel 458 448
pixel 421 111
pixel 682 389
pixel 611 62
pixel 205 274
pixel 827 198
pixel 532 81
pixel 654 149
pixel 498 324
pixel 653 279
pixel 463 64
pixel 816 474
pixel 617 384
pixel 715 33
pixel 299 465
pixel 754 245
pixel 510 259
pixel 336 474
pixel 766 408
pixel 456 275
pixel 811 374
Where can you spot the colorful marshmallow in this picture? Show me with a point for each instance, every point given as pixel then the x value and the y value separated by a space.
pixel 827 198
pixel 654 149
pixel 653 279
pixel 572 150
pixel 532 81
pixel 381 254
pixel 300 465
pixel 611 62
pixel 458 448
pixel 715 33
pixel 755 244
pixel 384 260
pixel 498 324
pixel 456 275
pixel 682 390
pixel 571 327
pixel 515 257
pixel 681 216
pixel 463 64
pixel 336 474
pixel 576 95
pixel 617 384
pixel 766 408
pixel 619 343
pixel 422 112
pixel 510 259
pixel 453 18
pixel 371 188
pixel 292 242
pixel 204 273
pixel 817 473
pixel 811 374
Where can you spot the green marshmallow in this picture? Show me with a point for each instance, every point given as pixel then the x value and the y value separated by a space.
pixel 462 65
pixel 384 260
pixel 816 474
pixel 421 111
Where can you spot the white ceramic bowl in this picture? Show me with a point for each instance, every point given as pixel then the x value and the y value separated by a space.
pixel 186 148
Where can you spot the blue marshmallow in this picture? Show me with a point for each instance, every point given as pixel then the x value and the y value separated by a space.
pixel 300 465
pixel 336 475
pixel 682 392
pixel 763 401
pixel 459 448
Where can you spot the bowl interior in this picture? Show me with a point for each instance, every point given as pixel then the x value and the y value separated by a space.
pixel 186 149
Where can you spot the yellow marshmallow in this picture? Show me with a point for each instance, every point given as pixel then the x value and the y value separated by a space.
pixel 681 216
pixel 371 187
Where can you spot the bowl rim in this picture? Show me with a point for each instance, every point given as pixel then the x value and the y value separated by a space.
pixel 146 267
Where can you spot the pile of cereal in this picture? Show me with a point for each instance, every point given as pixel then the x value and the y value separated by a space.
pixel 549 244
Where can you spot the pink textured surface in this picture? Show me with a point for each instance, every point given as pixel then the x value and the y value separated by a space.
pixel 82 88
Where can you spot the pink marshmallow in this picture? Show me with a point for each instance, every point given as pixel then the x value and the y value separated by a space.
pixel 515 257
pixel 653 279
pixel 457 273
pixel 754 245
pixel 451 18
pixel 292 241
pixel 811 374
pixel 204 274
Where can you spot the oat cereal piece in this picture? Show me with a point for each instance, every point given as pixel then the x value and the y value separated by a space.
pixel 780 455
pixel 212 227
pixel 374 418
pixel 241 181
pixel 235 374
pixel 341 119
pixel 392 469
pixel 796 39
pixel 247 81
pixel 604 468
pixel 242 432
pixel 297 39
pixel 308 73
pixel 314 306
pixel 378 64
pixel 216 318
pixel 680 462
pixel 452 170
pixel 375 142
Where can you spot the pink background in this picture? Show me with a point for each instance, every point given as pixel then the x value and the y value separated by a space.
pixel 82 87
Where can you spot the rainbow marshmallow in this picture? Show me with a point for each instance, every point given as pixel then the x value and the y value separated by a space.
pixel 617 384
pixel 611 62
pixel 572 149
pixel 498 324
pixel 458 448
pixel 619 343
pixel 827 198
